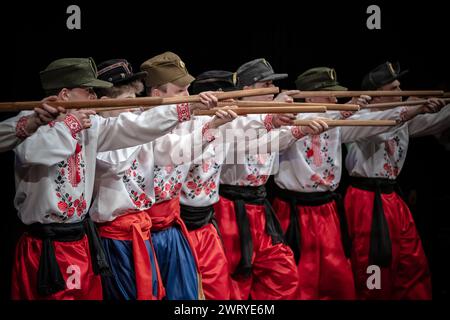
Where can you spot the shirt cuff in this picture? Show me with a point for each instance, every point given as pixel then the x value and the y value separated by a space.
pixel 268 122
pixel 73 124
pixel 21 131
pixel 297 132
pixel 184 112
pixel 207 133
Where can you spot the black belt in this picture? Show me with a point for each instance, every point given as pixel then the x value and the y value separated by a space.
pixel 197 217
pixel 293 236
pixel 380 252
pixel 250 195
pixel 50 279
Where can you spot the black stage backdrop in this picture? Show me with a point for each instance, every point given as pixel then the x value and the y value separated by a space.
pixel 293 36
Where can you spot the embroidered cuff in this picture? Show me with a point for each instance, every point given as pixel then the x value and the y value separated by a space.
pixel 268 122
pixel 207 134
pixel 297 132
pixel 21 125
pixel 184 113
pixel 73 124
pixel 345 114
pixel 403 115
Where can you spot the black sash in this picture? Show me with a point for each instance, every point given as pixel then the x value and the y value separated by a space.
pixel 250 195
pixel 197 217
pixel 50 279
pixel 380 252
pixel 293 236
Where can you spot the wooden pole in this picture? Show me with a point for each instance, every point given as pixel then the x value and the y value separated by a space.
pixel 264 110
pixel 133 102
pixel 346 123
pixel 330 106
pixel 386 105
pixel 375 93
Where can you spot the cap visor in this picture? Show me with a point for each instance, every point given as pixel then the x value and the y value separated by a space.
pixel 334 88
pixel 274 77
pixel 96 83
pixel 184 80
pixel 401 74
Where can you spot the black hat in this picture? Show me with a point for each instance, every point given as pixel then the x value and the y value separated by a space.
pixel 321 78
pixel 257 70
pixel 383 74
pixel 118 71
pixel 214 80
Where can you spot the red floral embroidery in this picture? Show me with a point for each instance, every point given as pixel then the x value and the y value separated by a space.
pixel 167 182
pixel 184 113
pixel 327 179
pixel 202 178
pixel 254 166
pixel 66 173
pixel 393 155
pixel 21 132
pixel 133 178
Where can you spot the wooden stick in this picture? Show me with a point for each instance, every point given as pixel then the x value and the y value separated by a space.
pixel 376 93
pixel 386 105
pixel 346 123
pixel 330 106
pixel 263 110
pixel 133 102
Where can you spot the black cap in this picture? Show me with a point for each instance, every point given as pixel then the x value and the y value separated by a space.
pixel 118 71
pixel 257 70
pixel 214 80
pixel 383 74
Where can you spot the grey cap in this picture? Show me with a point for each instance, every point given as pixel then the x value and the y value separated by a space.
pixel 257 70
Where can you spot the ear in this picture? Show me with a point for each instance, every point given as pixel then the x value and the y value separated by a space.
pixel 308 100
pixel 155 92
pixel 103 97
pixel 64 94
pixel 247 87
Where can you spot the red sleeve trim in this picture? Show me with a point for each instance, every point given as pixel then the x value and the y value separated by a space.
pixel 73 124
pixel 297 132
pixel 21 132
pixel 184 113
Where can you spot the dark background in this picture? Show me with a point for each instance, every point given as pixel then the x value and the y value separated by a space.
pixel 293 36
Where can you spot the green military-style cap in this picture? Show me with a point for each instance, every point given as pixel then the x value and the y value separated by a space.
pixel 164 68
pixel 321 78
pixel 71 73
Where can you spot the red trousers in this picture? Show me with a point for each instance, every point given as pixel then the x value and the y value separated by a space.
pixel 212 262
pixel 74 262
pixel 323 270
pixel 408 276
pixel 274 273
